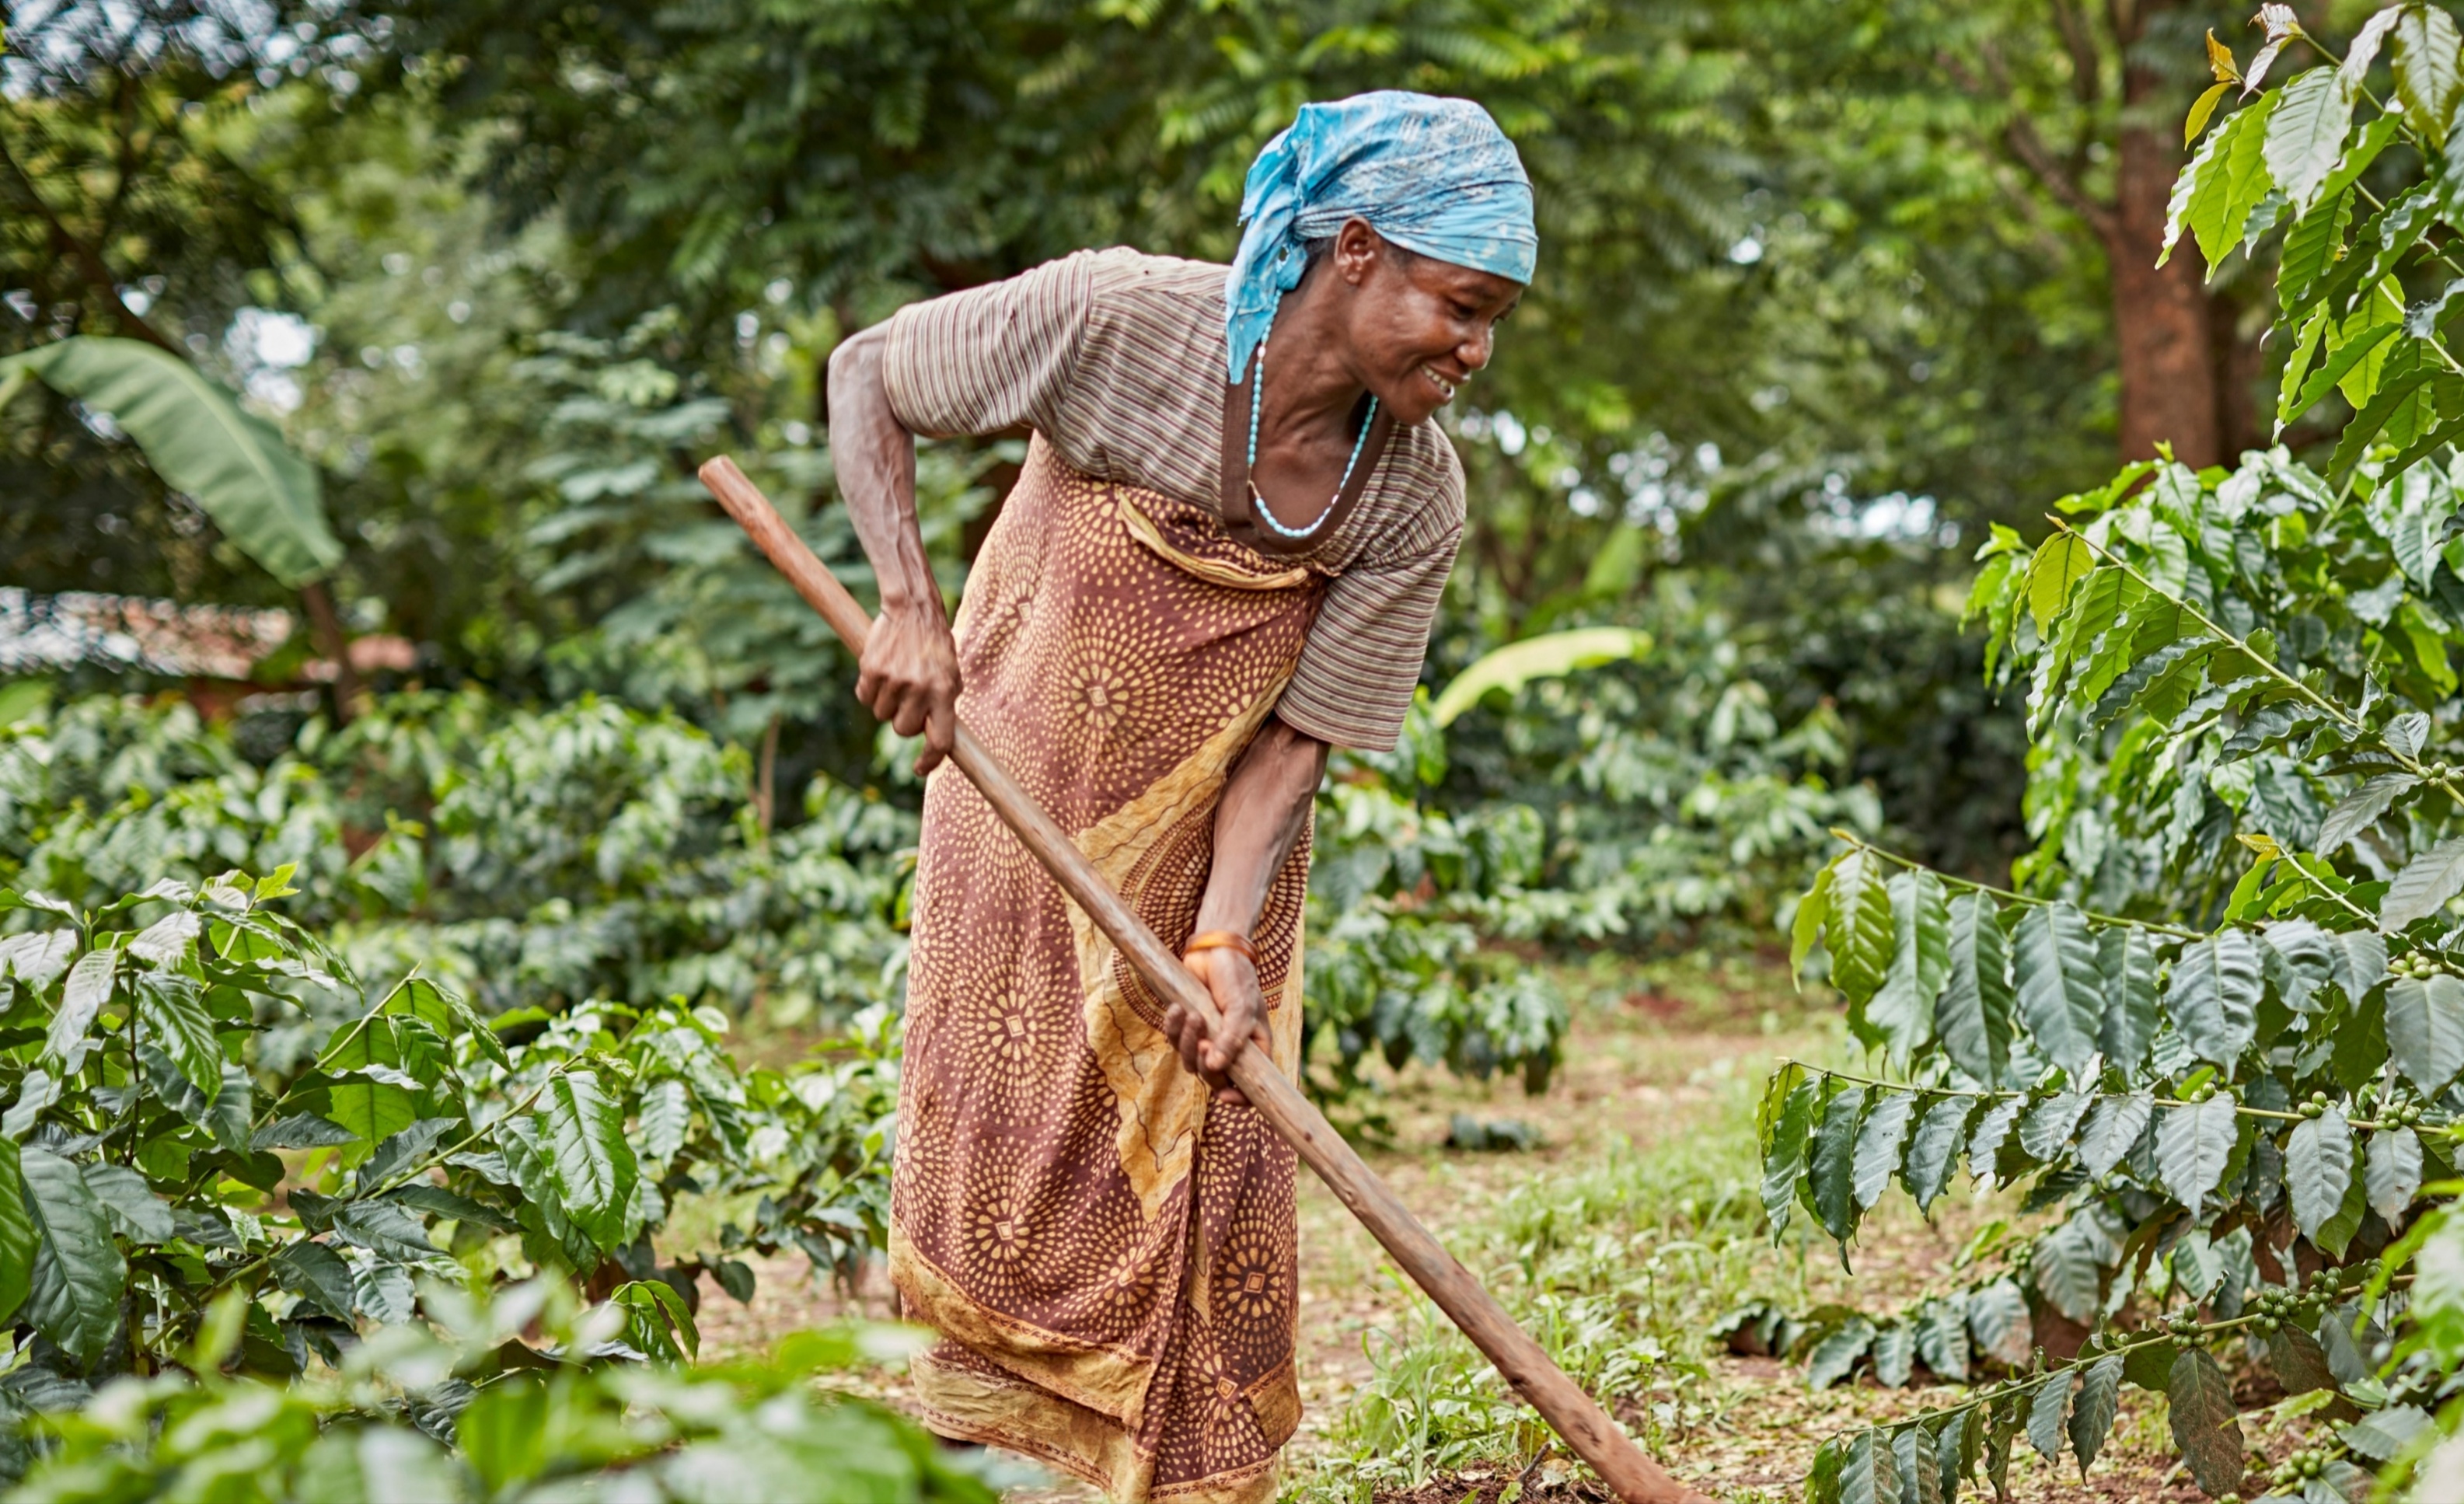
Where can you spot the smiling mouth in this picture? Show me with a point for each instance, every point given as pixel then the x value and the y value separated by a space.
pixel 1439 382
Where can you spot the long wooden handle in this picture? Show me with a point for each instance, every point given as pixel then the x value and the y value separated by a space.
pixel 1584 1426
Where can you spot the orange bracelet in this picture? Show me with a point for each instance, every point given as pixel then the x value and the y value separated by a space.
pixel 1221 940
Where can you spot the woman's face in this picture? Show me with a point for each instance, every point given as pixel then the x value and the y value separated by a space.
pixel 1418 326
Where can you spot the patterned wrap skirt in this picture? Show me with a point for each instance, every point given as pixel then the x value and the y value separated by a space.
pixel 1109 1255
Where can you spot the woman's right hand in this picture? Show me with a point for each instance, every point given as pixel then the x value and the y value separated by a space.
pixel 908 675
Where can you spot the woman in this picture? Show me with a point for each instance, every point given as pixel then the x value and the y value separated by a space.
pixel 1219 561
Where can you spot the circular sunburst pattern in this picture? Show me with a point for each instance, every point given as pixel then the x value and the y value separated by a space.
pixel 1253 1278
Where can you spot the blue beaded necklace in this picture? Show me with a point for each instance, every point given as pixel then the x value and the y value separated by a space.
pixel 1257 404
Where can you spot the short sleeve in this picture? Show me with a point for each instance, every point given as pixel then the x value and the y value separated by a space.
pixel 992 357
pixel 1363 656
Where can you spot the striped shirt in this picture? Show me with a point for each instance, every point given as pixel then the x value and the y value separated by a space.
pixel 1115 358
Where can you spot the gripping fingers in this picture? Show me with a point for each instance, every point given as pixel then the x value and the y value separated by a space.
pixel 941 732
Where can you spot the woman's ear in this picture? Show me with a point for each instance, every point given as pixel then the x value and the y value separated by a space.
pixel 1357 249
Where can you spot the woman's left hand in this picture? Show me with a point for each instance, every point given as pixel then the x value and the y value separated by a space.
pixel 1240 1018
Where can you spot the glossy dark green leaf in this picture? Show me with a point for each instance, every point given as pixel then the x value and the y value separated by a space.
pixel 130 1206
pixel 1954 1451
pixel 81 998
pixel 1859 930
pixel 2194 1144
pixel 2060 991
pixel 1920 1468
pixel 386 1228
pixel 234 1110
pixel 1881 1141
pixel 1783 1158
pixel 2393 1171
pixel 370 1111
pixel 301 1131
pixel 172 1011
pixel 2318 1168
pixel 1836 1355
pixel 2297 957
pixel 1993 1127
pixel 1895 1355
pixel 583 1132
pixel 2112 1130
pixel 2310 247
pixel 74 1293
pixel 2063 1263
pixel 2306 134
pixel 1998 1320
pixel 2427 77
pixel 2094 1408
pixel 2049 1402
pixel 18 1238
pixel 317 1274
pixel 2360 809
pixel 1832 1179
pixel 2003 1422
pixel 1933 1151
pixel 2206 1426
pixel 2424 886
pixel 2382 1435
pixel 1898 1017
pixel 1972 1015
pixel 1870 1474
pixel 2127 962
pixel 2046 1130
pixel 2214 994
pixel 2424 1030
pixel 1941 1338
pixel 2149 1365
pixel 436 1201
pixel 2344 1351
pixel 2336 1233
pixel 666 1119
pixel 2300 1365
pixel 2357 958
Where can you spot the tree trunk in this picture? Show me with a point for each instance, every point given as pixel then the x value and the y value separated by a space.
pixel 2161 318
pixel 326 625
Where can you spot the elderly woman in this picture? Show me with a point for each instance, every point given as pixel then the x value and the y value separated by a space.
pixel 1222 558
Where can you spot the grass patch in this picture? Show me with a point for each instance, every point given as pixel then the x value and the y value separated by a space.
pixel 1618 1266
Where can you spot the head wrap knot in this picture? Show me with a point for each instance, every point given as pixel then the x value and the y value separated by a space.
pixel 1435 176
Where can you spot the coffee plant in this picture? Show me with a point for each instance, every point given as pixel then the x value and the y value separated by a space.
pixel 464 1407
pixel 525 858
pixel 183 1133
pixel 2217 1033
pixel 1401 895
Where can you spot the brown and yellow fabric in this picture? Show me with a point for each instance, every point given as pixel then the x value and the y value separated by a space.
pixel 1109 1255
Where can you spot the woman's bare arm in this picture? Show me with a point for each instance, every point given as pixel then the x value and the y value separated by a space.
pixel 1265 807
pixel 909 674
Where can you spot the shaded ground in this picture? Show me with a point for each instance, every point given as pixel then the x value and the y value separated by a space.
pixel 1661 1070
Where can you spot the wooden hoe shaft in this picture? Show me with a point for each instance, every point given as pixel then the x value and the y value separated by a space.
pixel 1584 1426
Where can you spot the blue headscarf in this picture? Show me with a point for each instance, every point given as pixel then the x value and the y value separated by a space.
pixel 1432 175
